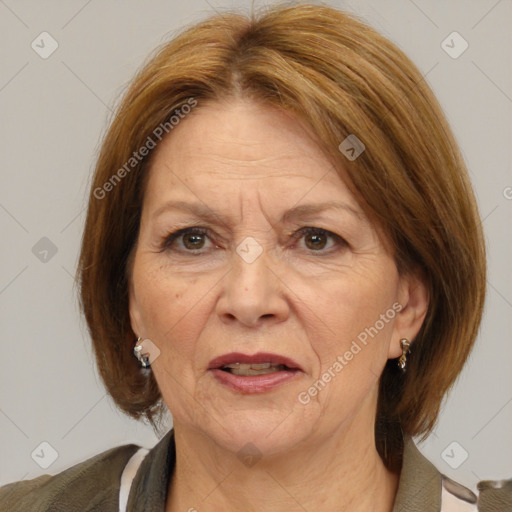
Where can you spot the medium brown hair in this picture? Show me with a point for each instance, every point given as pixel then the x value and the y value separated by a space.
pixel 339 77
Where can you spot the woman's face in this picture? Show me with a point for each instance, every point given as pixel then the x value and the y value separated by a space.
pixel 256 277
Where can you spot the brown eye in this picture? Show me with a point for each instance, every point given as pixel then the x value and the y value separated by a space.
pixel 316 241
pixel 193 240
pixel 320 240
pixel 186 240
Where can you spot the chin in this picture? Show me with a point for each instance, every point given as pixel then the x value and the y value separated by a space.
pixel 266 434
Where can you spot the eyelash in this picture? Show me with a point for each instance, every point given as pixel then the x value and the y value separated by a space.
pixel 169 239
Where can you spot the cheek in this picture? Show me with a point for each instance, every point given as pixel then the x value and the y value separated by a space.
pixel 353 302
pixel 172 312
pixel 351 357
pixel 358 315
pixel 170 307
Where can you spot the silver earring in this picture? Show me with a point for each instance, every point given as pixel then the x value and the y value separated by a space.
pixel 406 348
pixel 143 358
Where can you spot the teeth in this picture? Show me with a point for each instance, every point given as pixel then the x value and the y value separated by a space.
pixel 247 370
pixel 245 366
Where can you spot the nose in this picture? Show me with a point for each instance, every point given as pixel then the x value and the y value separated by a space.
pixel 252 291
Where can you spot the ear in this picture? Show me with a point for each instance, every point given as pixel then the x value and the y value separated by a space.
pixel 135 315
pixel 413 297
pixel 133 305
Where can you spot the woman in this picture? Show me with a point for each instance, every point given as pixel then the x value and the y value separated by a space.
pixel 283 249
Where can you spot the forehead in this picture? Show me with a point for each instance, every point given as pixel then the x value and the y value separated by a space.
pixel 227 147
pixel 239 128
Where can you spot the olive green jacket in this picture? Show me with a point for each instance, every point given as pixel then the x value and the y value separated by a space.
pixel 94 485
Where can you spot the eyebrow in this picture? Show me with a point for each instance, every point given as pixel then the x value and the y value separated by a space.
pixel 299 211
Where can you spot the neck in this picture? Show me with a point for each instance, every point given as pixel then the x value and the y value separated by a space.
pixel 342 472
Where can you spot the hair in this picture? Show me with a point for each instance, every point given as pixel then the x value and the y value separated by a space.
pixel 339 77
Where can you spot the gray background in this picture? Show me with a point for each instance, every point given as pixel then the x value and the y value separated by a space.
pixel 54 112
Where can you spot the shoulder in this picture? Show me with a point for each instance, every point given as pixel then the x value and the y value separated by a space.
pixel 457 497
pixel 92 485
pixel 423 487
pixel 493 496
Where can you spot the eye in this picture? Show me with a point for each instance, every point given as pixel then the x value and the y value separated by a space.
pixel 316 239
pixel 192 239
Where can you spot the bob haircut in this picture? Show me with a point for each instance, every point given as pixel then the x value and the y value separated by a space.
pixel 339 77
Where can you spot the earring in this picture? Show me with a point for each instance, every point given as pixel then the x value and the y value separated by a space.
pixel 402 361
pixel 143 358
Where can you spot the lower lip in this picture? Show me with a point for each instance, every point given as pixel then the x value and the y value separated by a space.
pixel 254 383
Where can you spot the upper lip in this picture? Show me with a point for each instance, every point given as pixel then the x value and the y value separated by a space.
pixel 259 357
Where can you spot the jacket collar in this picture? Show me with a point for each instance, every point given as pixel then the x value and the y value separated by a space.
pixel 149 487
pixel 420 484
pixel 419 487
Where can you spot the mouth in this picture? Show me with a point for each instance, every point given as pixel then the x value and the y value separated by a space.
pixel 256 373
pixel 261 363
pixel 248 370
